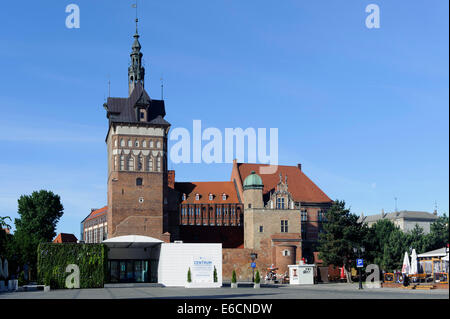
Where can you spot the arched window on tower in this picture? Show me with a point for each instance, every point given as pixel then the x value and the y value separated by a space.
pixel 122 162
pixel 122 142
pixel 150 164
pixel 140 163
pixel 130 163
pixel 158 164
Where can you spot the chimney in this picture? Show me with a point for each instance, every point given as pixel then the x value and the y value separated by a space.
pixel 171 178
pixel 435 212
pixel 299 166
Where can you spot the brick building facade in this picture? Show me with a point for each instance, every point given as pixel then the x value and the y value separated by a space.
pixel 277 215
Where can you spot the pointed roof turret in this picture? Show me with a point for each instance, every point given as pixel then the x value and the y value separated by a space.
pixel 136 71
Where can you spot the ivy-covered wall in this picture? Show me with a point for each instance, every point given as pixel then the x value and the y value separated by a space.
pixel 54 258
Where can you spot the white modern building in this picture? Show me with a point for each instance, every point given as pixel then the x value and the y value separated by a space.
pixel 142 259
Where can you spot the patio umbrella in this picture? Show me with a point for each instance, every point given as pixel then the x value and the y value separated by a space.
pixel 413 269
pixel 406 266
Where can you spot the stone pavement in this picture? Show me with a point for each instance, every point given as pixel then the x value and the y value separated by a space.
pixel 321 291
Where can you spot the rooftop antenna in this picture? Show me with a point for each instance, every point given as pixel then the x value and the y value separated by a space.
pixel 395 198
pixel 109 87
pixel 162 87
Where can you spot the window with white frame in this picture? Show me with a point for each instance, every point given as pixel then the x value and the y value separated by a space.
pixel 304 215
pixel 150 164
pixel 158 164
pixel 224 196
pixel 284 226
pixel 211 196
pixel 122 162
pixel 130 163
pixel 139 163
pixel 197 196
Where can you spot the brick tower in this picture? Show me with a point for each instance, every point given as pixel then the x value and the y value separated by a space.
pixel 137 158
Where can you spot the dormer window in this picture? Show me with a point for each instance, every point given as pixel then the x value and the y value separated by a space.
pixel 211 196
pixel 224 196
pixel 142 115
pixel 197 196
pixel 184 197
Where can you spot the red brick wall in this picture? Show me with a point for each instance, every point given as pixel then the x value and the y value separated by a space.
pixel 171 178
pixel 126 215
pixel 268 254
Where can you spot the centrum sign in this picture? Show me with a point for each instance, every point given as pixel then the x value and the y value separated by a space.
pixel 202 270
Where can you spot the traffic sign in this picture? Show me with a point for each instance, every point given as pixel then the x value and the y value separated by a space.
pixel 253 265
pixel 359 263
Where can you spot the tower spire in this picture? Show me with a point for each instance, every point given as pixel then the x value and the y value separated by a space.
pixel 136 71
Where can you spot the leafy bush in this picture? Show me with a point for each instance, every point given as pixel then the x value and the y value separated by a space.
pixel 257 277
pixel 21 279
pixel 233 277
pixel 189 279
pixel 54 258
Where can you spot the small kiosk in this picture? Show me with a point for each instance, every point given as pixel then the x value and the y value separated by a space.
pixel 301 274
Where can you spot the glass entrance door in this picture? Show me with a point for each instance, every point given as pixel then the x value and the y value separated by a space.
pixel 132 271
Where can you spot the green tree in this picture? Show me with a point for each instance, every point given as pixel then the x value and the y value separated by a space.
pixel 342 232
pixel 39 215
pixel 4 238
pixel 189 278
pixel 417 239
pixel 376 237
pixel 438 236
pixel 257 277
pixel 233 277
pixel 3 223
pixel 394 250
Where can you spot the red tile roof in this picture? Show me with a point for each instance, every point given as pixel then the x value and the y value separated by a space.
pixel 204 189
pixel 65 238
pixel 299 185
pixel 97 213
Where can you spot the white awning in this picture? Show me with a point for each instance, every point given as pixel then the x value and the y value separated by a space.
pixel 434 253
pixel 132 241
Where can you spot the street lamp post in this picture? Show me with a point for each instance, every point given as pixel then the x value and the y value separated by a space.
pixel 253 256
pixel 359 251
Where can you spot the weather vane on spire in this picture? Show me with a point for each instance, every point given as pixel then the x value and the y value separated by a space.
pixel 134 5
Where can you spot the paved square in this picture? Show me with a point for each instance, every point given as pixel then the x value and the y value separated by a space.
pixel 323 291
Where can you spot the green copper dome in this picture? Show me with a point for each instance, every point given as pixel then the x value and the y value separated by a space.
pixel 253 181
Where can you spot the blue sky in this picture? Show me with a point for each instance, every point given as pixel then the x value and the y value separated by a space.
pixel 364 110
